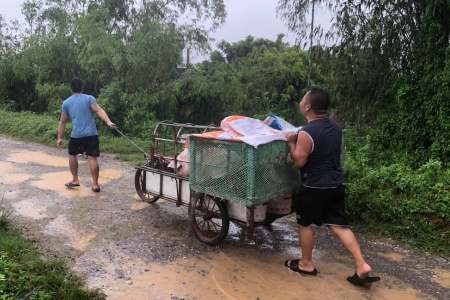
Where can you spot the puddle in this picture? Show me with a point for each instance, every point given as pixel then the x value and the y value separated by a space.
pixel 443 277
pixel 236 274
pixel 108 175
pixel 62 226
pixel 393 256
pixel 40 158
pixel 139 205
pixel 55 181
pixel 9 175
pixel 30 209
pixel 83 242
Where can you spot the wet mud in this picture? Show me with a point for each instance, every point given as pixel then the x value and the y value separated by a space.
pixel 134 250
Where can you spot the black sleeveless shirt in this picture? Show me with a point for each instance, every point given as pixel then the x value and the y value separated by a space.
pixel 323 168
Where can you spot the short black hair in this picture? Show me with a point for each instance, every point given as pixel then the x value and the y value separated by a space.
pixel 76 85
pixel 319 100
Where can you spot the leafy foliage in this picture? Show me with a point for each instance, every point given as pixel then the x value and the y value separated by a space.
pixel 387 67
pixel 257 77
pixel 410 204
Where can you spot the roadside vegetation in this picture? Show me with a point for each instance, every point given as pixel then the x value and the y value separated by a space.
pixel 43 129
pixel 25 274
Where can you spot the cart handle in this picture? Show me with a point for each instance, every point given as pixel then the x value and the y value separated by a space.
pixel 147 156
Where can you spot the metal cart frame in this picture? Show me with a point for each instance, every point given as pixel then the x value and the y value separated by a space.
pixel 208 215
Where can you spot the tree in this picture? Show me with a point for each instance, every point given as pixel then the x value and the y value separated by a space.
pixel 388 66
pixel 259 80
pixel 31 10
pixel 233 52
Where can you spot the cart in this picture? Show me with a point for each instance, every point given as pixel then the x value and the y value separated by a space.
pixel 228 180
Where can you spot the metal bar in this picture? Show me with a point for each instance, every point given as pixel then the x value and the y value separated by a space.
pixel 158 171
pixel 171 158
pixel 164 140
pixel 131 141
pixel 186 125
pixel 161 178
pixel 250 223
pixel 178 184
pixel 310 44
pixel 146 155
pixel 250 175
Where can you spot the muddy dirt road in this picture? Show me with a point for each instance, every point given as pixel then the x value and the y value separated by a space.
pixel 134 250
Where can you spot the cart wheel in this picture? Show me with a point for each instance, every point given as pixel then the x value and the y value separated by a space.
pixel 209 219
pixel 139 183
pixel 270 218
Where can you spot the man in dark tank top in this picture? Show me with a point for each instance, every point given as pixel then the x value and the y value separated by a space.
pixel 316 151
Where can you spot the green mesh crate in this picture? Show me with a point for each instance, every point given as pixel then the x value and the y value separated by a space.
pixel 239 172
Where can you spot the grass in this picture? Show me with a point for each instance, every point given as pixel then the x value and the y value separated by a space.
pixel 25 274
pixel 5 216
pixel 43 129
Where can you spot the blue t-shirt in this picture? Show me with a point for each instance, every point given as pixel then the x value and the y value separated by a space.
pixel 78 108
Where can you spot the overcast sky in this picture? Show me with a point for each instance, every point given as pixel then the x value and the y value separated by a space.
pixel 245 17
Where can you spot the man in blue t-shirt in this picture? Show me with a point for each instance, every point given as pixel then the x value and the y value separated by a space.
pixel 316 150
pixel 84 136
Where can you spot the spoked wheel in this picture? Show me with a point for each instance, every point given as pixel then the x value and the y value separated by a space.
pixel 139 183
pixel 209 219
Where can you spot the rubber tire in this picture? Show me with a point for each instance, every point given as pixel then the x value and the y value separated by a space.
pixel 269 219
pixel 138 183
pixel 220 211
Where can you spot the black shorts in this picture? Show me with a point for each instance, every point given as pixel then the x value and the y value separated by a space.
pixel 321 206
pixel 90 145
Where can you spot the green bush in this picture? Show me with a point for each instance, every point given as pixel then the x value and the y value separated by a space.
pixel 50 98
pixel 395 199
pixel 30 126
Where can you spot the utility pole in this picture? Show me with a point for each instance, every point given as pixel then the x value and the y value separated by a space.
pixel 188 57
pixel 310 44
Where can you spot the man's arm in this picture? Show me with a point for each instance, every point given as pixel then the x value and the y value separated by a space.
pixel 102 114
pixel 300 146
pixel 61 128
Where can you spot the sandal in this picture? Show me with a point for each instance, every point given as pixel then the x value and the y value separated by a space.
pixel 71 184
pixel 293 266
pixel 355 279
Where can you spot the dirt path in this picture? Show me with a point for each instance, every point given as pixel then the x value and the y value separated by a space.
pixel 133 250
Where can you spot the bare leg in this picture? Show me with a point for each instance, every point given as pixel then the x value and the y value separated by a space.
pixel 348 239
pixel 95 170
pixel 306 239
pixel 73 164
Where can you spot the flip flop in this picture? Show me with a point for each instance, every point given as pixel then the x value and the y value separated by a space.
pixel 355 279
pixel 71 184
pixel 293 266
pixel 96 190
